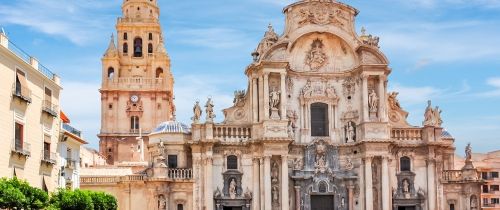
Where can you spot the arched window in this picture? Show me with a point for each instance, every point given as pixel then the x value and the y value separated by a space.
pixel 150 36
pixel 452 206
pixel 159 73
pixel 180 207
pixel 111 73
pixel 319 119
pixel 405 163
pixel 125 36
pixel 150 48
pixel 125 48
pixel 322 187
pixel 134 123
pixel 232 162
pixel 137 47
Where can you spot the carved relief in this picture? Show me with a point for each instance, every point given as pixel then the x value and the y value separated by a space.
pixel 318 89
pixel 350 132
pixel 316 57
pixel 275 185
pixel 292 122
pixel 239 98
pixel 349 87
pixel 320 15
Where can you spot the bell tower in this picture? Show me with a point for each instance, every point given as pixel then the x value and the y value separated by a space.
pixel 137 84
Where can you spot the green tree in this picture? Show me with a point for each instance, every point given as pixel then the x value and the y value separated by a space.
pixel 18 194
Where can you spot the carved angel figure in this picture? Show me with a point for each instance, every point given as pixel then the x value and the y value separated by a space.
pixel 209 109
pixel 373 101
pixel 197 112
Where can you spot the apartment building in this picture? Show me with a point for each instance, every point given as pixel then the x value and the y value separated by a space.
pixel 29 117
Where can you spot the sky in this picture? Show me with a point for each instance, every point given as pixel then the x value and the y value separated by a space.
pixel 447 51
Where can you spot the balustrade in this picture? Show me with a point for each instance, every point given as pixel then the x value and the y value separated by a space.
pixel 407 134
pixel 452 175
pixel 232 133
pixel 135 83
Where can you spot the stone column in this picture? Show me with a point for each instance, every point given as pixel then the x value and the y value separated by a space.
pixel 350 191
pixel 364 94
pixel 386 203
pixel 255 100
pixel 368 184
pixel 261 182
pixel 431 186
pixel 267 183
pixel 283 96
pixel 256 184
pixel 266 96
pixel 209 193
pixel 361 185
pixel 383 101
pixel 260 99
pixel 297 198
pixel 284 183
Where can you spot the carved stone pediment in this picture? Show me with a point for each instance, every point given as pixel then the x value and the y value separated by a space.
pixel 320 13
pixel 318 91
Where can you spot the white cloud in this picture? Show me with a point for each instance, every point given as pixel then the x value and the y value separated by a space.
pixel 214 38
pixel 415 95
pixel 434 4
pixel 495 83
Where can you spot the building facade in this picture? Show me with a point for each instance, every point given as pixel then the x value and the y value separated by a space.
pixel 315 130
pixel 69 150
pixel 29 125
pixel 137 85
pixel 91 158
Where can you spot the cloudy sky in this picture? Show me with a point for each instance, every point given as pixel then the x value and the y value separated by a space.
pixel 444 50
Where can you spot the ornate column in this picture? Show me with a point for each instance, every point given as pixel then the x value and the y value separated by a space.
pixel 197 184
pixel 297 197
pixel 261 184
pixel 361 185
pixel 368 183
pixel 267 183
pixel 364 94
pixel 386 203
pixel 284 183
pixel 209 193
pixel 350 191
pixel 260 99
pixel 382 115
pixel 256 184
pixel 283 96
pixel 255 100
pixel 266 96
pixel 431 186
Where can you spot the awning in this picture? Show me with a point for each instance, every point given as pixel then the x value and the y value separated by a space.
pixel 64 118
pixel 24 84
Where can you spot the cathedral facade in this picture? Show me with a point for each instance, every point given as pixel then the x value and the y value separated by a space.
pixel 316 129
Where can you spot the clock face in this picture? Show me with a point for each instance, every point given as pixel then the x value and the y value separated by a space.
pixel 134 98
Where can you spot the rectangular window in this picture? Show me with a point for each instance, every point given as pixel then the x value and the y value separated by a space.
pixel 494 174
pixel 485 188
pixel 19 136
pixel 495 201
pixel 319 119
pixel 484 175
pixel 494 188
pixel 21 88
pixel 46 151
pixel 69 154
pixel 172 161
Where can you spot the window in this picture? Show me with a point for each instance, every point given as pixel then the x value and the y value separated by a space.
pixel 232 162
pixel 21 88
pixel 111 73
pixel 69 155
pixel 485 188
pixel 134 123
pixel 48 95
pixel 150 36
pixel 494 188
pixel 125 48
pixel 125 36
pixel 46 151
pixel 159 73
pixel 172 161
pixel 180 207
pixel 150 48
pixel 486 201
pixel 319 119
pixel 19 137
pixel 495 201
pixel 494 174
pixel 137 47
pixel 452 206
pixel 484 175
pixel 405 164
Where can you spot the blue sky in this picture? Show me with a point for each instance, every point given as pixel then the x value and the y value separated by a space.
pixel 444 50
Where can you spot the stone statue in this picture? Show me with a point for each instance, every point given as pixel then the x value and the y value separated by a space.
pixel 406 186
pixel 217 193
pixel 432 116
pixel 275 173
pixel 307 89
pixel 350 132
pixel 468 152
pixel 197 112
pixel 393 101
pixel 330 92
pixel 473 202
pixel 162 202
pixel 316 57
pixel 275 192
pixel 373 100
pixel 274 98
pixel 232 189
pixel 248 193
pixel 209 110
pixel 298 164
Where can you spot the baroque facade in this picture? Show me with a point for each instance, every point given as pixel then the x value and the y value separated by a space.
pixel 315 130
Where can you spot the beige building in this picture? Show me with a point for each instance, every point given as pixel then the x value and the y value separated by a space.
pixel 29 125
pixel 69 150
pixel 488 165
pixel 315 130
pixel 137 85
pixel 91 158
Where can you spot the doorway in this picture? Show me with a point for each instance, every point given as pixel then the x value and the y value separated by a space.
pixel 322 202
pixel 232 208
pixel 406 208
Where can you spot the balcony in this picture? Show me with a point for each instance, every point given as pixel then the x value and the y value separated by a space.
pixel 173 174
pixel 49 108
pixel 70 163
pixel 226 133
pixel 72 130
pixel 407 134
pixel 23 93
pixel 48 157
pixel 21 148
pixel 135 83
pixel 180 173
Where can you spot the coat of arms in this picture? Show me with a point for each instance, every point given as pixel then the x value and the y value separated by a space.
pixel 316 57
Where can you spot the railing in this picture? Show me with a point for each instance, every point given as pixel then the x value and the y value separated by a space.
pixel 21 148
pixel 180 173
pixel 491 205
pixel 135 82
pixel 27 58
pixel 72 130
pixel 452 175
pixel 134 131
pixel 49 107
pixel 89 180
pixel 144 20
pixel 24 93
pixel 45 71
pixel 232 133
pixel 48 157
pixel 406 134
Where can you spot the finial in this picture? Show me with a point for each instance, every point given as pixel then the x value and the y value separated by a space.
pixel 363 31
pixel 113 37
pixel 2 31
pixel 270 26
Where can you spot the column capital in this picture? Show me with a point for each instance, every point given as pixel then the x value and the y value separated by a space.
pixel 256 159
pixel 368 158
pixel 382 77
pixel 267 157
pixel 296 187
pixel 364 76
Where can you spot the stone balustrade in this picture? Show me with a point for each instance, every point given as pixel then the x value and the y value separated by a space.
pixel 227 133
pixel 135 83
pixel 407 134
pixel 452 175
pixel 180 173
pixel 172 175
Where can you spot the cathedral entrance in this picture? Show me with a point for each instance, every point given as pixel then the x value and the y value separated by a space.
pixel 322 202
pixel 232 208
pixel 406 208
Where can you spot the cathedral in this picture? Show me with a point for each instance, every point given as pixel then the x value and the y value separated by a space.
pixel 316 129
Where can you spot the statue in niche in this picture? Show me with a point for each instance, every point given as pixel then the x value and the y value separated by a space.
pixel 209 109
pixel 473 202
pixel 275 192
pixel 232 189
pixel 330 92
pixel 307 89
pixel 406 186
pixel 350 132
pixel 275 173
pixel 197 112
pixel 373 100
pixel 298 164
pixel 432 116
pixel 468 152
pixel 292 122
pixel 316 57
pixel 274 101
pixel 320 164
pixel 162 202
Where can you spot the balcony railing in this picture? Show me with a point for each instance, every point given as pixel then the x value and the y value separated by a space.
pixel 452 175
pixel 180 173
pixel 21 148
pixel 48 157
pixel 23 93
pixel 406 134
pixel 232 133
pixel 27 58
pixel 49 108
pixel 173 174
pixel 72 130
pixel 136 83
